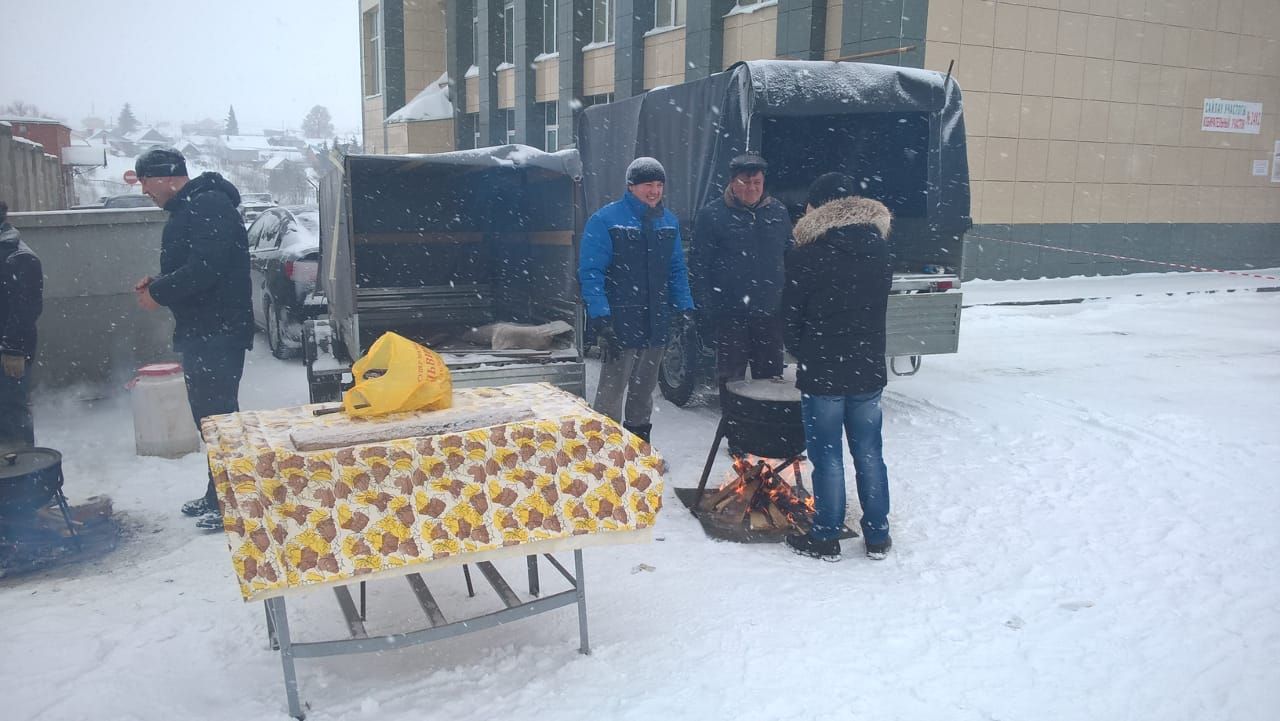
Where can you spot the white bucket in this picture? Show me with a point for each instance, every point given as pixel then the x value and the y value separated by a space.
pixel 162 424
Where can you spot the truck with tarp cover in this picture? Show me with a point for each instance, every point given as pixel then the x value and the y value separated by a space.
pixel 899 131
pixel 471 253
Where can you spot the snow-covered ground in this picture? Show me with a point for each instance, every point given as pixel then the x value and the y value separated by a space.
pixel 1085 525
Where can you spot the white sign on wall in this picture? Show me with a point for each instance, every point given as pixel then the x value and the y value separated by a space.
pixel 1231 116
pixel 1260 167
pixel 1275 163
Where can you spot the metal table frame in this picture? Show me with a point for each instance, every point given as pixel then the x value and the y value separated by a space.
pixel 279 637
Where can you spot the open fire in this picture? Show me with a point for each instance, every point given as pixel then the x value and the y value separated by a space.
pixel 761 495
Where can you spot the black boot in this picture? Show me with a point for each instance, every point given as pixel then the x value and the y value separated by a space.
pixel 639 429
pixel 807 545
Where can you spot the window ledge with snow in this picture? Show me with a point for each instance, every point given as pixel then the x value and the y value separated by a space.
pixel 472 72
pixel 546 56
pixel 748 9
pixel 597 46
pixel 663 29
pixel 504 66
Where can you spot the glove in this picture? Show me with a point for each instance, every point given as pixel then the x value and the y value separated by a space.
pixel 606 338
pixel 15 365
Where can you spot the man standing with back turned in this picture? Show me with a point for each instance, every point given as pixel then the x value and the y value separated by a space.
pixel 204 281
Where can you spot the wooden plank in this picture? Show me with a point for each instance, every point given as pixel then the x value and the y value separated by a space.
pixel 432 423
pixel 426 600
pixel 759 521
pixel 777 517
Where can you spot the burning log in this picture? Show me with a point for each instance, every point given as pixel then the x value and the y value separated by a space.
pixel 761 495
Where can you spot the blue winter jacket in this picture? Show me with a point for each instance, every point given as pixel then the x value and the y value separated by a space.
pixel 632 269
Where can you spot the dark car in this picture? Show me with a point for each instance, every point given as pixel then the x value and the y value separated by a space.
pixel 284 257
pixel 252 205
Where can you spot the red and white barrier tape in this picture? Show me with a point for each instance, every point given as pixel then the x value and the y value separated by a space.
pixel 1125 257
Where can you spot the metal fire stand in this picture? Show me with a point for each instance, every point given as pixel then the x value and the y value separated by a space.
pixel 439 627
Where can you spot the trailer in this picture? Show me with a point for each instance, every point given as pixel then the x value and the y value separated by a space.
pixel 900 131
pixel 437 248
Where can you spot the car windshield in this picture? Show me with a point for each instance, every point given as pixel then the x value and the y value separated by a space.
pixel 309 221
pixel 256 198
pixel 129 201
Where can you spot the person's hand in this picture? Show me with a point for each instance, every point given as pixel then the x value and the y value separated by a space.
pixel 15 365
pixel 606 338
pixel 145 301
pixel 137 288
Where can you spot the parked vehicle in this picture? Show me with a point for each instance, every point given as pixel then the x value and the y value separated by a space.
pixel 434 247
pixel 128 200
pixel 899 130
pixel 252 205
pixel 284 256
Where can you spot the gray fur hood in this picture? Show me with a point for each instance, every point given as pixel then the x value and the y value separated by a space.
pixel 9 234
pixel 843 213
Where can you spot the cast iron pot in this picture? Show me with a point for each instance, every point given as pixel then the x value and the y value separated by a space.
pixel 29 478
pixel 762 417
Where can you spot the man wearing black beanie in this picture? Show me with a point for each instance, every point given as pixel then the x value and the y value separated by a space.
pixel 204 282
pixel 632 273
pixel 834 304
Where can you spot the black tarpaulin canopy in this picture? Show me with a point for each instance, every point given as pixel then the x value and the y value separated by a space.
pixel 900 129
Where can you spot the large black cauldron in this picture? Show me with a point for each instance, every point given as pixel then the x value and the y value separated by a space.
pixel 29 479
pixel 762 417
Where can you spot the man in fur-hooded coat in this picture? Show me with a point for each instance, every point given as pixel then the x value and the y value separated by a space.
pixel 834 303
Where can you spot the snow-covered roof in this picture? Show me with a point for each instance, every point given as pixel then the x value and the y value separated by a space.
pixel 432 103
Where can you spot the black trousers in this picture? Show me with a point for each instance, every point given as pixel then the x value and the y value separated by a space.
pixel 748 339
pixel 212 370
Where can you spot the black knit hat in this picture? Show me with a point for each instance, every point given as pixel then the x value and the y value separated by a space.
pixel 748 163
pixel 829 187
pixel 160 162
pixel 645 170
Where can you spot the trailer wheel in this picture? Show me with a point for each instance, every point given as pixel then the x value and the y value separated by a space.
pixel 678 375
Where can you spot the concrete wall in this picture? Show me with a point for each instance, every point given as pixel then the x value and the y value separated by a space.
pixel 30 178
pixel 91 331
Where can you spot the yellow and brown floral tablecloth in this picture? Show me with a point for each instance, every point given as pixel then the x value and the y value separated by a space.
pixel 567 478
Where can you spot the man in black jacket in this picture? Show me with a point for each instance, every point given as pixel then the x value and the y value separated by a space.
pixel 838 279
pixel 737 272
pixel 204 281
pixel 21 299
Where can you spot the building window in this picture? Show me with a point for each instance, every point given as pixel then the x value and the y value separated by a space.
pixel 372 56
pixel 597 99
pixel 475 32
pixel 549 26
pixel 668 13
pixel 509 33
pixel 473 121
pixel 552 140
pixel 602 21
pixel 510 119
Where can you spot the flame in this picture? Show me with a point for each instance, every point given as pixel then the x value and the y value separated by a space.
pixel 778 488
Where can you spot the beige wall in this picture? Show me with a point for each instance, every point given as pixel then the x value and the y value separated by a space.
pixel 373 115
pixel 473 95
pixel 1090 110
pixel 507 88
pixel 426 136
pixel 835 16
pixel 750 36
pixel 664 59
pixel 424 44
pixel 546 79
pixel 597 71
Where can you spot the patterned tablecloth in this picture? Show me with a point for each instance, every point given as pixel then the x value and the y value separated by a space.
pixel 568 478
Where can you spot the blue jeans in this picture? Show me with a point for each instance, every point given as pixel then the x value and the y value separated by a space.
pixel 860 417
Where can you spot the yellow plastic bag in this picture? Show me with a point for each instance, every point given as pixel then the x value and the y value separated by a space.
pixel 395 376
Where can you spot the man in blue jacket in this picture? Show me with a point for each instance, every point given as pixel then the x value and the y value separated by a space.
pixel 633 275
pixel 204 282
pixel 21 300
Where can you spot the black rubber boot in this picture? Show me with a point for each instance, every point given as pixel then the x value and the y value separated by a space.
pixel 639 429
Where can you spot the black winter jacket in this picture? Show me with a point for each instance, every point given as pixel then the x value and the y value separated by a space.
pixel 21 294
pixel 204 265
pixel 838 278
pixel 736 263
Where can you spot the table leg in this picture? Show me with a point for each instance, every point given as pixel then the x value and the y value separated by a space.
pixel 581 587
pixel 534 588
pixel 276 607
